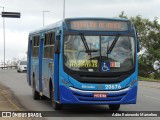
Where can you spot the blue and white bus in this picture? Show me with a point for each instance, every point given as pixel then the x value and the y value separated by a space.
pixel 84 61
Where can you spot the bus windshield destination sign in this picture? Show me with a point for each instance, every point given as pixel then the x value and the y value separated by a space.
pixel 99 25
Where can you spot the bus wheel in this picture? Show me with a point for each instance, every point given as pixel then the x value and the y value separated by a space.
pixel 55 105
pixel 114 107
pixel 44 98
pixel 36 95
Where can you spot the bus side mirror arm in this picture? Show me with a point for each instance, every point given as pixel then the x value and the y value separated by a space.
pixel 138 46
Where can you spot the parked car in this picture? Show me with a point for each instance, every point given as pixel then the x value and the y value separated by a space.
pixel 22 66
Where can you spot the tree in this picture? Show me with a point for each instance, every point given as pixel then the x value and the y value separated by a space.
pixel 15 61
pixel 149 39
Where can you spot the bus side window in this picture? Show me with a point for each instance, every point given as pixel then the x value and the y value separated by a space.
pixel 35 46
pixel 52 39
pixel 46 46
pixel 33 41
pixel 49 45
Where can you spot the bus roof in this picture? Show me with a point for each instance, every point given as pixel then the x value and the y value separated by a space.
pixel 46 28
pixel 95 18
pixel 59 23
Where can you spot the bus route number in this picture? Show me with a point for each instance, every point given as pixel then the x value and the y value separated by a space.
pixel 112 87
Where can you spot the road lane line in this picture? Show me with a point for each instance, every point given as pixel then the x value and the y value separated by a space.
pixel 152 97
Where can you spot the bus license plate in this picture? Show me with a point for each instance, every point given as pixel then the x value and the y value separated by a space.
pixel 100 95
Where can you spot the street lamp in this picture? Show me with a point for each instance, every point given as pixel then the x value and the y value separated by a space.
pixel 63 9
pixel 43 16
pixel 3 34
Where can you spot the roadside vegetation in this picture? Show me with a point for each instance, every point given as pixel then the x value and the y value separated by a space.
pixel 148 32
pixel 148 79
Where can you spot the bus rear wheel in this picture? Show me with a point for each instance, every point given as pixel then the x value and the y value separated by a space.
pixel 35 93
pixel 114 106
pixel 56 106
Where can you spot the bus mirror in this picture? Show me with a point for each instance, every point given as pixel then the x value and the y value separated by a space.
pixel 57 47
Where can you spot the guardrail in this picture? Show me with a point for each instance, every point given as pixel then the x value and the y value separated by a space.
pixel 9 67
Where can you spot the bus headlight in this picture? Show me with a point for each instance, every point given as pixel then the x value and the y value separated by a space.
pixel 65 82
pixel 132 83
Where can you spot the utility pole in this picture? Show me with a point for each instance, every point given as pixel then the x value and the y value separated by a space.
pixel 63 9
pixel 10 15
pixel 4 37
pixel 44 16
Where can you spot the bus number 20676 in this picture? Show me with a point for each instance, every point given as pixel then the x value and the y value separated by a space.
pixel 112 87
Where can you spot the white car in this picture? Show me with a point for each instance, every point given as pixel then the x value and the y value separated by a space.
pixel 22 66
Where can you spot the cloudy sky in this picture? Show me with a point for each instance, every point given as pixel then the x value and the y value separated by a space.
pixel 32 17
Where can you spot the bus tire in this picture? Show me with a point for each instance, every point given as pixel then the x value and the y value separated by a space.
pixel 35 93
pixel 114 106
pixel 55 105
pixel 44 98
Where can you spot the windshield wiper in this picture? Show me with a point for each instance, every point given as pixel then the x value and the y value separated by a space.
pixel 88 50
pixel 86 45
pixel 109 49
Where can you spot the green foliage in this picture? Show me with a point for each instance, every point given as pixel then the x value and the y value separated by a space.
pixel 148 32
pixel 157 75
pixel 122 15
pixel 151 76
pixel 148 79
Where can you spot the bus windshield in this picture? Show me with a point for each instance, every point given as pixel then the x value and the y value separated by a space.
pixel 99 53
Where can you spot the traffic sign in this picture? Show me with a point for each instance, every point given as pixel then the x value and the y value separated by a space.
pixel 11 14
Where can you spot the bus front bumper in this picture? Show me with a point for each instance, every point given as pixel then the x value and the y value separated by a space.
pixel 75 96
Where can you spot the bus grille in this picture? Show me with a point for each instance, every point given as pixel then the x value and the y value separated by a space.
pixel 89 96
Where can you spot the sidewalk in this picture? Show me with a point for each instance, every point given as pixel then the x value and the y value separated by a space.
pixel 5 102
pixel 9 103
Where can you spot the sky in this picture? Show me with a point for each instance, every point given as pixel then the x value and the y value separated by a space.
pixel 17 29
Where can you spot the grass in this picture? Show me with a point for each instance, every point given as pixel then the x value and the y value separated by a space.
pixel 148 79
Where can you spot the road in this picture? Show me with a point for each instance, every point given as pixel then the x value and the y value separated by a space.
pixel 148 98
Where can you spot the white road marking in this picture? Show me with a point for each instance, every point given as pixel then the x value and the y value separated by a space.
pixel 152 97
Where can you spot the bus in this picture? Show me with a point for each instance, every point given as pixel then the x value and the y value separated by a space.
pixel 84 61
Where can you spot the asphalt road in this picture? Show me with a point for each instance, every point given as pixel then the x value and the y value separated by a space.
pixel 148 99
